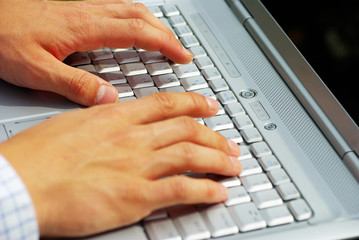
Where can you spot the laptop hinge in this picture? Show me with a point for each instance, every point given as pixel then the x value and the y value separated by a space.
pixel 239 10
pixel 351 160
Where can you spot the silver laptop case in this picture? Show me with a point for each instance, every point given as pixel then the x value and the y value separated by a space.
pixel 315 140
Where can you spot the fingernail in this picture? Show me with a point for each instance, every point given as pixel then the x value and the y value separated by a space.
pixel 213 104
pixel 187 52
pixel 236 163
pixel 106 94
pixel 223 191
pixel 234 147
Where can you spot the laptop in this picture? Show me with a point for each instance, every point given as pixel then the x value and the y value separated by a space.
pixel 299 146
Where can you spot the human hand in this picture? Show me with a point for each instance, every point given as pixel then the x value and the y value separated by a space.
pixel 108 166
pixel 36 36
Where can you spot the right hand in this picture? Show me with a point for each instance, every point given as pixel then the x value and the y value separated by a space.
pixel 108 166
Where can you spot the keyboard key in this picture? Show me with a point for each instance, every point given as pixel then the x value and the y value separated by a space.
pixel 219 220
pixel 127 56
pixel 151 57
pixel 89 68
pixel 218 85
pixel 232 134
pixel 107 65
pixel 288 191
pixel 247 217
pixel 166 80
pixel 140 81
pixel 120 49
pixel 226 97
pixel 162 229
pixel 124 90
pixel 266 199
pixel 173 89
pixel 126 99
pixel 277 215
pixel 211 73
pixel 243 122
pixel 156 11
pixel 233 109
pixel 176 21
pixel 206 92
pixel 189 41
pixel 251 135
pixel 194 83
pixel 142 92
pixel 204 62
pixel 159 68
pixel 300 209
pixel 187 70
pixel 245 153
pixel 131 69
pixel 278 176
pixel 189 223
pixel 170 10
pixel 100 54
pixel 228 182
pixel 157 214
pixel 198 51
pixel 78 58
pixel 218 123
pixel 259 149
pixel 134 232
pixel 249 167
pixel 256 182
pixel 183 31
pixel 114 77
pixel 237 195
pixel 269 162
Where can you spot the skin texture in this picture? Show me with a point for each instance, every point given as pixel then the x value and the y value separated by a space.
pixel 109 165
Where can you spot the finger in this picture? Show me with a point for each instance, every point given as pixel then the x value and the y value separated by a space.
pixel 128 11
pixel 101 2
pixel 186 129
pixel 124 33
pixel 161 106
pixel 183 157
pixel 78 85
pixel 185 190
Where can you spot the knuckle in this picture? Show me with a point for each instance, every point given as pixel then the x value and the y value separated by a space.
pixel 198 101
pixel 190 126
pixel 165 103
pixel 221 142
pixel 81 24
pixel 139 8
pixel 187 150
pixel 168 37
pixel 209 190
pixel 137 25
pixel 179 187
pixel 79 83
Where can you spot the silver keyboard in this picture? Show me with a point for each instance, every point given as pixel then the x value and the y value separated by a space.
pixel 263 195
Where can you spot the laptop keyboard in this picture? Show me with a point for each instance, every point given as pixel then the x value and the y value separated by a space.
pixel 263 195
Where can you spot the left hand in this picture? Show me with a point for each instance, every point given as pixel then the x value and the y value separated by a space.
pixel 37 35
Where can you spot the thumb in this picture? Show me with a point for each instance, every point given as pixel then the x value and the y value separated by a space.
pixel 81 86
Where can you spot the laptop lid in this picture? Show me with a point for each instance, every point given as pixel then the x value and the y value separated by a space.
pixel 336 123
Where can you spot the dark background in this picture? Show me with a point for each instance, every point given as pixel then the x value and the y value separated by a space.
pixel 327 34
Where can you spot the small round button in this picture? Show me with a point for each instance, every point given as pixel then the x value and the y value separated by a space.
pixel 248 94
pixel 270 126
